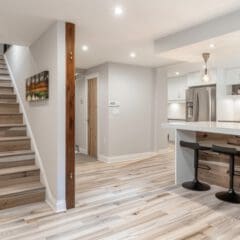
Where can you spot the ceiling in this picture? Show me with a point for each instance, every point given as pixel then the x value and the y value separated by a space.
pixel 226 53
pixel 110 38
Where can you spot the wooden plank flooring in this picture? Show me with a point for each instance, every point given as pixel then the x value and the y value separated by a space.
pixel 130 200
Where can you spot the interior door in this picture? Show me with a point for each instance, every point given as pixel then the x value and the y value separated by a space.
pixel 92 117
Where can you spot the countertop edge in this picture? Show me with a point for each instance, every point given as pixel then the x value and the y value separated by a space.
pixel 204 127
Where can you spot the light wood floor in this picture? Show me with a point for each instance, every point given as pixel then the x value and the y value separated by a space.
pixel 131 200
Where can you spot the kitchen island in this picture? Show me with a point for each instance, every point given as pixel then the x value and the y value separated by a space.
pixel 213 167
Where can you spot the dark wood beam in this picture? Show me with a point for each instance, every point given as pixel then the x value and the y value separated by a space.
pixel 70 115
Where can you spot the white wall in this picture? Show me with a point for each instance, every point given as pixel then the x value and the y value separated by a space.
pixel 130 130
pixel 177 110
pixel 46 119
pixel 160 109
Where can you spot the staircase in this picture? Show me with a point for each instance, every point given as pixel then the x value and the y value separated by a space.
pixel 19 176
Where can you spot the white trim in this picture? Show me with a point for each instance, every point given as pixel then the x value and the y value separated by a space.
pixel 87 77
pixel 38 160
pixel 57 206
pixel 130 157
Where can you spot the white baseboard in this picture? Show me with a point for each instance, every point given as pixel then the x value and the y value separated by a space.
pixel 130 157
pixel 57 206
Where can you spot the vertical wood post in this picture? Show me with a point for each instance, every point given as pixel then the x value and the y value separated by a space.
pixel 70 115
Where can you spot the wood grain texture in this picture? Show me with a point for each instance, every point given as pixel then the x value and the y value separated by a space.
pixel 70 115
pixel 19 177
pixel 92 117
pixel 125 201
pixel 213 167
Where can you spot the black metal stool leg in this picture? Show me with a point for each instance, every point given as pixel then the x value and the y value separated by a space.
pixel 230 196
pixel 196 185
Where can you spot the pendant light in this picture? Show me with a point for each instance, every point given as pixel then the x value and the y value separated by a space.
pixel 206 75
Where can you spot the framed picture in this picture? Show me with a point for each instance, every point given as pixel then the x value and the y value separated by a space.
pixel 37 87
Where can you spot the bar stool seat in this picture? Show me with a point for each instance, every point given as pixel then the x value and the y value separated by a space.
pixel 230 195
pixel 195 184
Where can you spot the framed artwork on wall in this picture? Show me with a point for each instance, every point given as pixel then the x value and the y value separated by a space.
pixel 37 87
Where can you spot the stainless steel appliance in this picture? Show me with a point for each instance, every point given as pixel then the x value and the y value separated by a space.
pixel 201 103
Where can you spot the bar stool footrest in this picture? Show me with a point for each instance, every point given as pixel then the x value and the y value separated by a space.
pixel 196 186
pixel 229 196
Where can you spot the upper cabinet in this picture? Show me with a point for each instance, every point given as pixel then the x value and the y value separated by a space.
pixel 232 82
pixel 195 78
pixel 177 85
pixel 176 88
pixel 232 76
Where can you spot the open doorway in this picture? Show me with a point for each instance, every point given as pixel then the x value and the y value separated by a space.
pixel 86 117
pixel 92 117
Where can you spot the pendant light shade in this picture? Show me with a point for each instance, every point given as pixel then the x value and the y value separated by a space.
pixel 206 56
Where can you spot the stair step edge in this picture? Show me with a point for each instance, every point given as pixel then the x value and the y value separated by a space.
pixel 17 189
pixel 18 169
pixel 12 125
pixel 6 139
pixel 16 153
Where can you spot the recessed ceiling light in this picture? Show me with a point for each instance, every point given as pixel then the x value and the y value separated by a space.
pixel 85 48
pixel 132 54
pixel 212 45
pixel 118 11
pixel 177 73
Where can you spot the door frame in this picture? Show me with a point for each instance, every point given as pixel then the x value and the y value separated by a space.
pixel 88 77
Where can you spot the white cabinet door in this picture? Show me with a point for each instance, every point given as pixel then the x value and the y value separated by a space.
pixel 195 78
pixel 232 76
pixel 177 88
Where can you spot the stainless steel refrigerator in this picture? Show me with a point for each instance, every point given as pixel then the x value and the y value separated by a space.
pixel 201 103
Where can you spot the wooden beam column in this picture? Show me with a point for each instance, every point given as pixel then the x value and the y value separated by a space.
pixel 70 115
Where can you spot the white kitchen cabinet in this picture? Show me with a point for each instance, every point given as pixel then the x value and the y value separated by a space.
pixel 195 78
pixel 177 88
pixel 232 76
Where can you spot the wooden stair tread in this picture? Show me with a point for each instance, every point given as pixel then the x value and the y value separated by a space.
pixel 20 177
pixel 10 103
pixel 9 95
pixel 3 114
pixel 16 153
pixel 5 86
pixel 14 138
pixel 20 189
pixel 5 80
pixel 12 170
pixel 12 125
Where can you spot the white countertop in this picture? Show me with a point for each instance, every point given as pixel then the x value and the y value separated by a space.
pixel 213 127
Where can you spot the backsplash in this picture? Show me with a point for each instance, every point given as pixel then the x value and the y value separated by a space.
pixel 176 110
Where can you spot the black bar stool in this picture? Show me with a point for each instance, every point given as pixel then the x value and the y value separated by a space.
pixel 229 196
pixel 195 185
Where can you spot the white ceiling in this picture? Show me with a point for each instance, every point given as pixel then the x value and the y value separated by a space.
pixel 226 46
pixel 225 54
pixel 109 38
